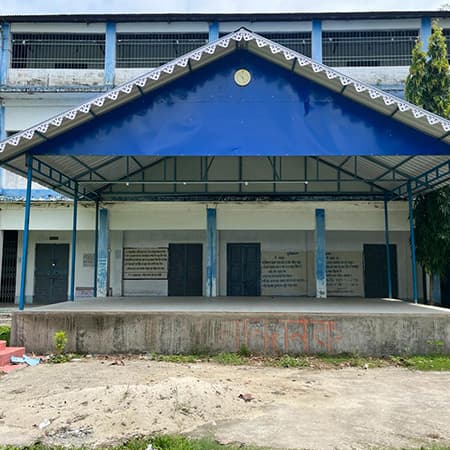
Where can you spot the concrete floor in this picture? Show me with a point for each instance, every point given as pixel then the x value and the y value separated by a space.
pixel 339 305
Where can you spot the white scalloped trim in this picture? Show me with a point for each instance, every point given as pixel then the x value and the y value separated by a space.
pixel 210 49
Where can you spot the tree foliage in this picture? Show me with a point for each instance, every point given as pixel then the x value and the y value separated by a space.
pixel 432 223
pixel 436 79
pixel 428 86
pixel 414 82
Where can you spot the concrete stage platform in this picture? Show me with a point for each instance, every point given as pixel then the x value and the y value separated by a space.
pixel 272 325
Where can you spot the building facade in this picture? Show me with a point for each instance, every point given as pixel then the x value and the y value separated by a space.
pixel 262 213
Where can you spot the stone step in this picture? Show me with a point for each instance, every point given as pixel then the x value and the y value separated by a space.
pixel 11 367
pixel 5 354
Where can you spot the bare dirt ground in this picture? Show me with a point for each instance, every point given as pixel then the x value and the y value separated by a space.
pixel 100 402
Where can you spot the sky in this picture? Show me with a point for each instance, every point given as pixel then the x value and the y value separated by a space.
pixel 210 6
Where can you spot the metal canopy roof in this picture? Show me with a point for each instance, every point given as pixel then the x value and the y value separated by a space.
pixel 97 174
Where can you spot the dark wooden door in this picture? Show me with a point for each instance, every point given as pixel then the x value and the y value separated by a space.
pixel 375 271
pixel 445 289
pixel 51 273
pixel 243 269
pixel 9 265
pixel 185 270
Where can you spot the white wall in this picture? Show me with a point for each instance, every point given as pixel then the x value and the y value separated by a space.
pixel 47 216
pixel 278 226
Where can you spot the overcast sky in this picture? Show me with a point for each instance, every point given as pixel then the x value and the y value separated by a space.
pixel 211 6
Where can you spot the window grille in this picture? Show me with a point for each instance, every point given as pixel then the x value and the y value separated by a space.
pixel 299 42
pixel 368 48
pixel 58 51
pixel 155 49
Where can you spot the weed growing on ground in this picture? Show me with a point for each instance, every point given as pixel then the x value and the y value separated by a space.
pixel 5 334
pixel 244 351
pixel 322 361
pixel 181 359
pixel 60 340
pixel 428 362
pixel 230 359
pixel 156 443
pixel 291 361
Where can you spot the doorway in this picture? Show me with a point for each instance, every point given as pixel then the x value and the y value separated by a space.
pixel 9 267
pixel 244 270
pixel 51 273
pixel 185 270
pixel 375 271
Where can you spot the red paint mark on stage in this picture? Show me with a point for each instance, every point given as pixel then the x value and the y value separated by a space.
pixel 284 335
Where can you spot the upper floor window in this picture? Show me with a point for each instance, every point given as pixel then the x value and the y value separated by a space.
pixel 58 51
pixel 297 41
pixel 368 48
pixel 154 49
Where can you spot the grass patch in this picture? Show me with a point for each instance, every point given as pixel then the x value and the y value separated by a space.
pixel 291 361
pixel 181 359
pixel 230 359
pixel 351 360
pixel 321 361
pixel 428 362
pixel 5 334
pixel 157 443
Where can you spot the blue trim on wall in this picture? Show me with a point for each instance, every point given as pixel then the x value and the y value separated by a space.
pixel 211 248
pixel 5 52
pixel 110 53
pixel 425 31
pixel 316 40
pixel 321 255
pixel 213 31
pixel 103 245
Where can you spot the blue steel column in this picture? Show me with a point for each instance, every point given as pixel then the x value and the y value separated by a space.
pixel 211 249
pixel 316 40
pixel 321 255
pixel 26 230
pixel 74 244
pixel 425 31
pixel 103 244
pixel 97 204
pixel 5 52
pixel 412 242
pixel 110 53
pixel 388 247
pixel 436 289
pixel 213 31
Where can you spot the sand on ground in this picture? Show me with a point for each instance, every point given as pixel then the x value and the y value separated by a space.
pixel 97 402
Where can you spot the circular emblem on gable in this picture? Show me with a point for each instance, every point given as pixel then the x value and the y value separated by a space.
pixel 242 77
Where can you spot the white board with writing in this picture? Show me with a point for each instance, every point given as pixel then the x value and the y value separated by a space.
pixel 345 274
pixel 283 273
pixel 145 263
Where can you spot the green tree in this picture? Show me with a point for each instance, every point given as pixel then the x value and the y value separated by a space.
pixel 436 78
pixel 414 82
pixel 432 224
pixel 428 86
